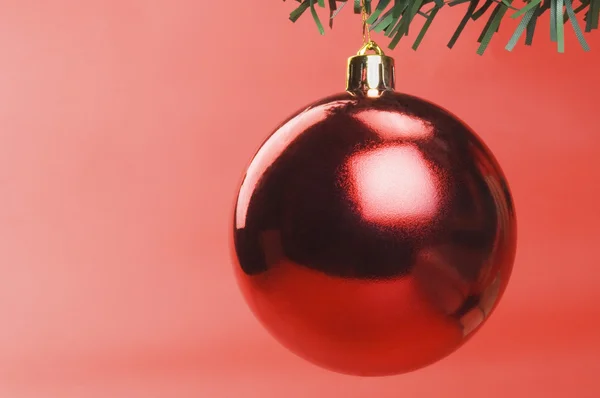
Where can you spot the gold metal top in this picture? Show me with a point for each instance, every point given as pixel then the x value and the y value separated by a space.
pixel 370 75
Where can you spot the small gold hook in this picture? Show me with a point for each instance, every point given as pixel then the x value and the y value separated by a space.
pixel 370 46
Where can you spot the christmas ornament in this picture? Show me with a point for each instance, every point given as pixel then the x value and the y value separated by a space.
pixel 373 232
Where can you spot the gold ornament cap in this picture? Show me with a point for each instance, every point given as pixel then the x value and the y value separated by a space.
pixel 370 75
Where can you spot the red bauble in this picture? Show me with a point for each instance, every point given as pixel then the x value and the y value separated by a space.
pixel 373 235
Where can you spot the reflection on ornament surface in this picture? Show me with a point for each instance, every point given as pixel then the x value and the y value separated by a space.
pixel 393 184
pixel 373 236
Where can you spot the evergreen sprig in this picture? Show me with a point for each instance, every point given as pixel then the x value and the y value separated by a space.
pixel 394 18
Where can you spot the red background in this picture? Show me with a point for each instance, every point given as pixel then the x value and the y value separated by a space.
pixel 125 127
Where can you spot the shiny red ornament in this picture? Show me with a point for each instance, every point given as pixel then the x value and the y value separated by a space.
pixel 373 236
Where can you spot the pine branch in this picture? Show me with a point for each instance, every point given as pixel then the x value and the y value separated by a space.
pixel 394 18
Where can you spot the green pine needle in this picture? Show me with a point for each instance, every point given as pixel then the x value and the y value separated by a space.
pixel 532 24
pixel 521 28
pixel 560 26
pixel 491 27
pixel 315 16
pixel 382 23
pixel 553 6
pixel 297 13
pixel 395 18
pixel 463 22
pixel 576 27
pixel 477 14
pixel 525 9
pixel 380 7
pixel 425 27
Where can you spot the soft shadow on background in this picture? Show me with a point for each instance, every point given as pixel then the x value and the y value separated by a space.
pixel 125 127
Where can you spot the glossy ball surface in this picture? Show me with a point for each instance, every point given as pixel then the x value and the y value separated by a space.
pixel 373 236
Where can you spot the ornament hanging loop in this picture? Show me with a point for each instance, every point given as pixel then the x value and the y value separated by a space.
pixel 369 75
pixel 370 46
